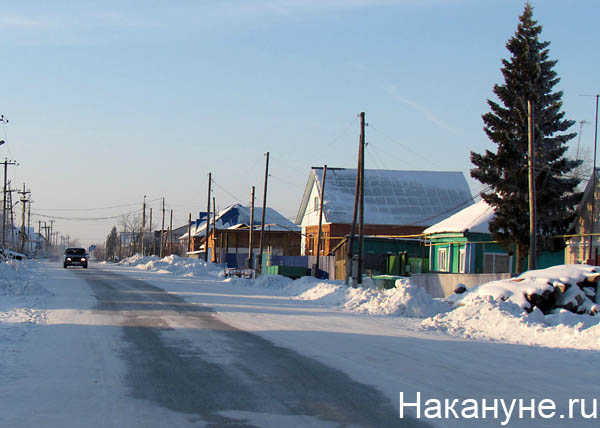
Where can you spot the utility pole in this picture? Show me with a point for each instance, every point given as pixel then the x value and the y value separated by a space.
pixel 189 232
pixel 29 224
pixel 162 230
pixel 250 261
pixel 350 252
pixel 214 229
pixel 12 216
pixel 23 194
pixel 6 164
pixel 207 219
pixel 320 221
pixel 171 234
pixel 143 224
pixel 592 218
pixel 51 232
pixel 151 233
pixel 532 213
pixel 264 209
pixel 361 212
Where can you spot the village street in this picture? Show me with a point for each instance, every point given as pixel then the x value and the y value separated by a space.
pixel 115 346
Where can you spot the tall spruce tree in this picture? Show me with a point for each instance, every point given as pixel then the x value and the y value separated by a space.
pixel 528 75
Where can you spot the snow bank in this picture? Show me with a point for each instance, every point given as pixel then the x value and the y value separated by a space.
pixel 505 310
pixel 173 264
pixel 17 278
pixel 405 300
pixel 486 318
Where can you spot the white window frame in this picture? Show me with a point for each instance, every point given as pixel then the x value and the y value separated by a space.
pixel 462 260
pixel 442 255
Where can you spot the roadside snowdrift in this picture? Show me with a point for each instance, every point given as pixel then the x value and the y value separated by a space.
pixel 173 264
pixel 18 278
pixel 406 299
pixel 507 310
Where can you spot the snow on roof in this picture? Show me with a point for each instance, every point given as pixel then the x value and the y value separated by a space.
pixel 235 216
pixel 391 196
pixel 475 219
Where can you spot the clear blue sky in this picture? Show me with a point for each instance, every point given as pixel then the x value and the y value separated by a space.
pixel 109 101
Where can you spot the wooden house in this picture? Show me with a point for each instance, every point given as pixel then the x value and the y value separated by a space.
pixel 462 243
pixel 229 235
pixel 578 245
pixel 397 203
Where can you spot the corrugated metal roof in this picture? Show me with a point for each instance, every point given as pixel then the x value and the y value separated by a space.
pixel 391 197
pixel 236 215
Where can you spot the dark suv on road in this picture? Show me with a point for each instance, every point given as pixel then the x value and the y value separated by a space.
pixel 75 257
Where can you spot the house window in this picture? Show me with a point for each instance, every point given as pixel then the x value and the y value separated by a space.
pixel 310 244
pixel 462 260
pixel 496 263
pixel 443 259
pixel 316 207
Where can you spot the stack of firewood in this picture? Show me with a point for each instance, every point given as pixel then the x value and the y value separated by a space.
pixel 581 297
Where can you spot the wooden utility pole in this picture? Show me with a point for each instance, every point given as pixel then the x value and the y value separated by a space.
pixel 214 220
pixel 162 231
pixel 264 209
pixel 350 252
pixel 23 194
pixel 361 213
pixel 51 232
pixel 592 218
pixel 189 232
pixel 29 223
pixel 320 220
pixel 207 219
pixel 171 234
pixel 151 252
pixel 143 225
pixel 6 164
pixel 250 261
pixel 532 212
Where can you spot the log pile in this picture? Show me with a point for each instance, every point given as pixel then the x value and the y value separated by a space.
pixel 580 297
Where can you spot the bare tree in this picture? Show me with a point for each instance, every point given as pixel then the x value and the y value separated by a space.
pixel 131 224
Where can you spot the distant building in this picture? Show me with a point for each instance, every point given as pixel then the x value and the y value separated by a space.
pixel 397 203
pixel 232 235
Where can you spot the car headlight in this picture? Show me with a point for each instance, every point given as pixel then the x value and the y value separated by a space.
pixel 68 259
pixel 83 259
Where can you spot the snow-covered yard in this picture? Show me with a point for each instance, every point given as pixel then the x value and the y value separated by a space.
pixel 399 340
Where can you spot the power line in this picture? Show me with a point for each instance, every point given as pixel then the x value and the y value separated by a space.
pixel 96 209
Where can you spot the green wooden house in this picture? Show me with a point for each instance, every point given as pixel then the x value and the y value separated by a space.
pixel 462 243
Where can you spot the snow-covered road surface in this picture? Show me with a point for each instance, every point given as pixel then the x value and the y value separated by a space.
pixel 99 359
pixel 138 355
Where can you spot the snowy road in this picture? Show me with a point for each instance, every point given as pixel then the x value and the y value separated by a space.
pixel 134 355
pixel 116 346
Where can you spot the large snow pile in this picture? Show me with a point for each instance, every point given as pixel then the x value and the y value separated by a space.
pixel 406 299
pixel 17 278
pixel 539 307
pixel 173 264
